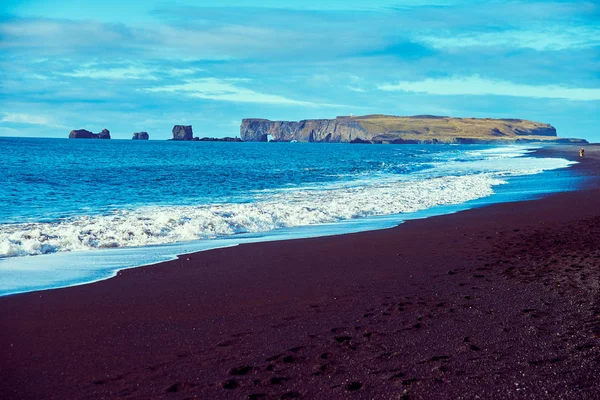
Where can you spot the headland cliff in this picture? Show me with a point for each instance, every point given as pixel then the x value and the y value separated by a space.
pixel 393 129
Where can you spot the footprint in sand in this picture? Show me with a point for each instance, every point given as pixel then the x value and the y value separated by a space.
pixel 243 370
pixel 230 384
pixel 352 386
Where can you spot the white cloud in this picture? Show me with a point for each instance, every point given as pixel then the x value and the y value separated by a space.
pixel 29 119
pixel 245 34
pixel 227 90
pixel 130 72
pixel 133 72
pixel 475 85
pixel 60 35
pixel 543 39
pixel 183 71
pixel 355 89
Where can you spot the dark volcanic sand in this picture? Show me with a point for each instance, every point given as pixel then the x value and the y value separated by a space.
pixel 497 302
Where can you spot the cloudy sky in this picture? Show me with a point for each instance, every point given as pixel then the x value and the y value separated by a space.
pixel 147 65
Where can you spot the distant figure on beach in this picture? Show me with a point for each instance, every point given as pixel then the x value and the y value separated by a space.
pixel 581 151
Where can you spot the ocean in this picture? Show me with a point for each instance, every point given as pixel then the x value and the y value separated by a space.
pixel 78 211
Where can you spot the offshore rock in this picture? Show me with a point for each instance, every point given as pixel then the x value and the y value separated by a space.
pixel 427 129
pixel 140 136
pixel 224 139
pixel 182 132
pixel 85 134
pixel 360 141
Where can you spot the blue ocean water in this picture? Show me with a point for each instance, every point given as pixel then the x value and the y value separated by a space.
pixel 75 211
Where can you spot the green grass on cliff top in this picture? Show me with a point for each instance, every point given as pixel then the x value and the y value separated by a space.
pixel 422 127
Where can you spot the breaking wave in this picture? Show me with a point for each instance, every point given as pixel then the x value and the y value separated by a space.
pixel 159 225
pixel 429 179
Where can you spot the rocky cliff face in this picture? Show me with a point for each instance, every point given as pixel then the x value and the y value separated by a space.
pixel 140 136
pixel 312 130
pixel 182 132
pixel 84 134
pixel 393 129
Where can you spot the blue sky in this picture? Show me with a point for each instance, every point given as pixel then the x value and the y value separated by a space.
pixel 147 65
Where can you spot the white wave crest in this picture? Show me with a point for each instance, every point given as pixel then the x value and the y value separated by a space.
pixel 159 225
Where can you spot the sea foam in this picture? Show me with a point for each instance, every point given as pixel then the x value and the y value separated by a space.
pixel 449 180
pixel 159 225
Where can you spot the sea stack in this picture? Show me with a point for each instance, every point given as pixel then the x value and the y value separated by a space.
pixel 140 136
pixel 182 132
pixel 104 134
pixel 85 134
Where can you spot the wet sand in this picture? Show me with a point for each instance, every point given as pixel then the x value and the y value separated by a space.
pixel 497 302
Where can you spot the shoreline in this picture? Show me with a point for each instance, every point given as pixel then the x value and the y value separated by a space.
pixel 104 260
pixel 406 311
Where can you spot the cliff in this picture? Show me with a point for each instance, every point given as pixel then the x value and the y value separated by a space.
pixel 84 134
pixel 393 129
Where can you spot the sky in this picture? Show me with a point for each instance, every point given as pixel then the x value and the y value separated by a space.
pixel 132 66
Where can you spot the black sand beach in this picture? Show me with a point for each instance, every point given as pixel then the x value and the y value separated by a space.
pixel 496 302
